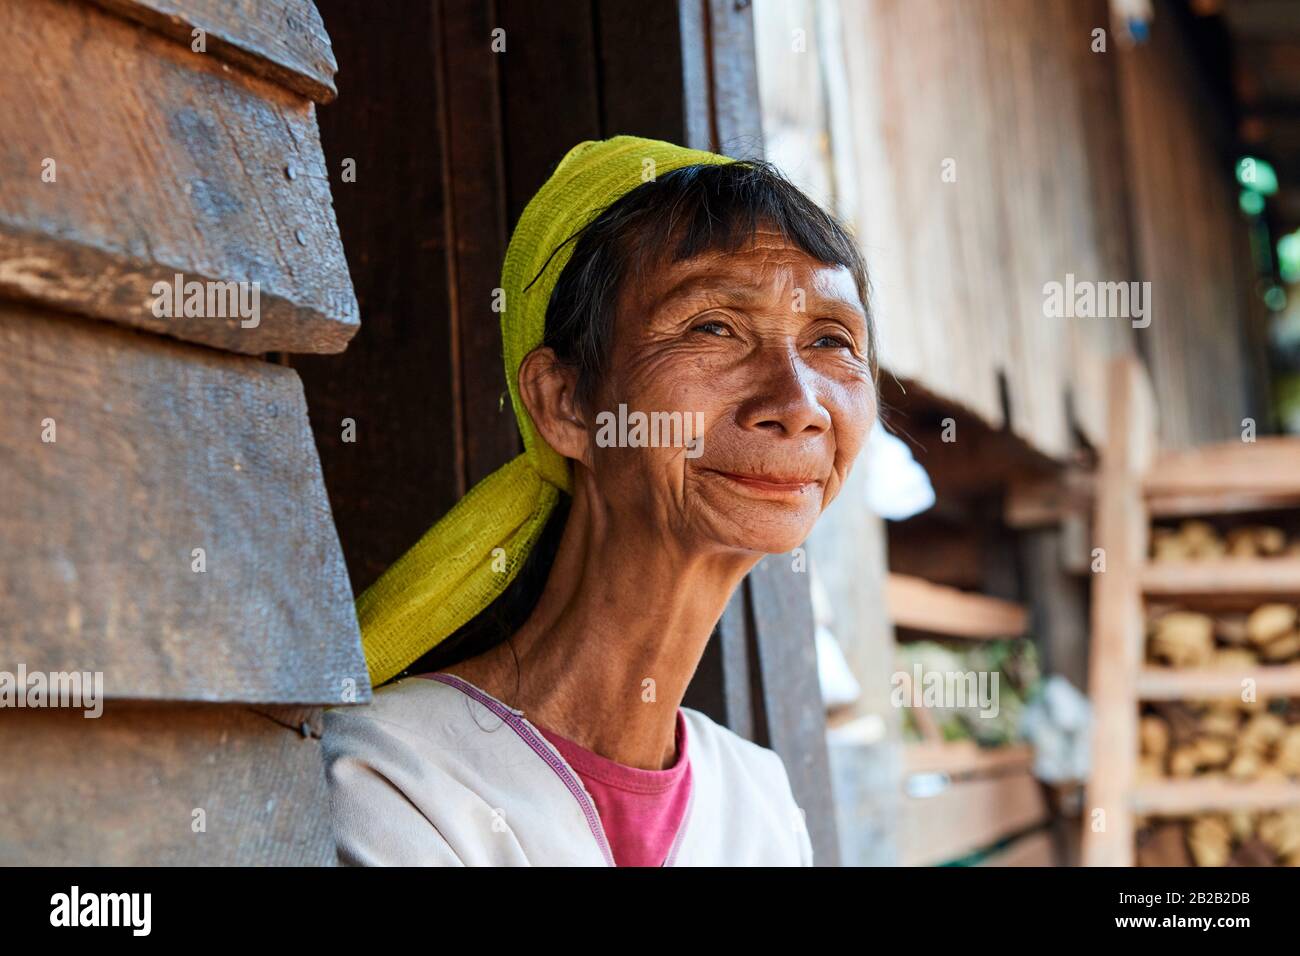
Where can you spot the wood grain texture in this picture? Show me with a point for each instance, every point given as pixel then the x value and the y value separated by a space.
pixel 162 448
pixel 550 90
pixel 282 40
pixel 122 789
pixel 405 468
pixel 1032 849
pixel 925 606
pixel 1187 230
pixel 473 144
pixel 1121 529
pixel 166 162
pixel 1194 796
pixel 1269 681
pixel 1011 95
pixel 1265 467
pixel 968 816
pixel 794 715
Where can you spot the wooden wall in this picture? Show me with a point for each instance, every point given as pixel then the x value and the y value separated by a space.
pixel 1202 346
pixel 130 441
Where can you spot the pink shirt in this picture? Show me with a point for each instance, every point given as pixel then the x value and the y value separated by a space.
pixel 640 810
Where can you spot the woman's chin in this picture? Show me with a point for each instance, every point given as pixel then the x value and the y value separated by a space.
pixel 774 537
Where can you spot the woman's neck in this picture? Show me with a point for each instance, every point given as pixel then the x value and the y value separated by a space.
pixel 606 656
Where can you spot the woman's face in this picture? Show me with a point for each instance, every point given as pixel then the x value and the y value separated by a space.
pixel 766 349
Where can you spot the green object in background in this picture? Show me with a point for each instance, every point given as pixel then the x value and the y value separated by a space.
pixel 1288 257
pixel 1257 175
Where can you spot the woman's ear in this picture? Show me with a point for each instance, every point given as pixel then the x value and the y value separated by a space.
pixel 549 390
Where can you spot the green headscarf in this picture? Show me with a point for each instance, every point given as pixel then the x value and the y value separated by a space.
pixel 464 562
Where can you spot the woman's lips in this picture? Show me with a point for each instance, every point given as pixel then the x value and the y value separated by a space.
pixel 774 485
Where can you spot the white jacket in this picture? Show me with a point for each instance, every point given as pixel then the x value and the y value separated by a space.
pixel 437 772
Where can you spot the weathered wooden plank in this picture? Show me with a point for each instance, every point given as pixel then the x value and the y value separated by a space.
pixel 793 721
pixel 643 81
pixel 1207 795
pixel 545 118
pixel 391 455
pixel 920 604
pixel 1268 466
pixel 965 758
pixel 473 145
pixel 1116 650
pixel 1175 139
pixel 159 449
pixel 1240 577
pixel 127 788
pixel 161 162
pixel 1032 849
pixel 969 815
pixel 1196 683
pixel 737 119
pixel 282 40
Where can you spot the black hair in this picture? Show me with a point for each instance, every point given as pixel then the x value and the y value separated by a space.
pixel 681 214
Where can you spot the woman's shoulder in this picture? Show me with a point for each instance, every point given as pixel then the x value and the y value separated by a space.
pixel 750 789
pixel 714 745
pixel 421 716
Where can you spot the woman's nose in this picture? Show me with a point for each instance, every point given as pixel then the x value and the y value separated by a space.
pixel 784 395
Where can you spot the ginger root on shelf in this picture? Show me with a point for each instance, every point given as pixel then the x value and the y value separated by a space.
pixel 1256 541
pixel 1194 540
pixel 1246 765
pixel 1219 721
pixel 1153 733
pixel 1261 732
pixel 1270 622
pixel 1281 831
pixel 1286 757
pixel 1282 649
pixel 1235 658
pixel 1183 639
pixel 1210 840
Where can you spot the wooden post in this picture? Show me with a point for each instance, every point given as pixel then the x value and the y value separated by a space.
pixel 1120 539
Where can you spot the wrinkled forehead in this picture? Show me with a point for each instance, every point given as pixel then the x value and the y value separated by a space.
pixel 763 267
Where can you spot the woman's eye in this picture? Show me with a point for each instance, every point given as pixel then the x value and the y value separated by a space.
pixel 712 328
pixel 832 342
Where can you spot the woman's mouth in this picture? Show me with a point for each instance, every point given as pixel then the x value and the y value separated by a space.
pixel 769 485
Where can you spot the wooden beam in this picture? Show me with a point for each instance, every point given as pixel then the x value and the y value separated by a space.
pixel 164 163
pixel 1121 531
pixel 1182 505
pixel 916 603
pixel 1167 683
pixel 966 758
pixel 1266 466
pixel 1205 795
pixel 163 785
pixel 1241 577
pixel 281 40
pixel 969 815
pixel 793 717
pixel 1032 849
pixel 123 455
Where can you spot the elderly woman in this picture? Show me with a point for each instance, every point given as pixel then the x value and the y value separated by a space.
pixel 549 625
